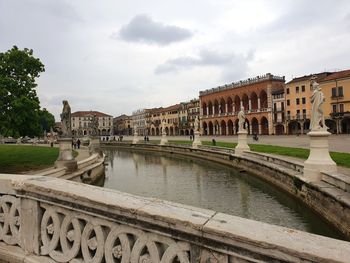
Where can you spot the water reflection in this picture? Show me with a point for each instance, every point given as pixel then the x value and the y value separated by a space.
pixel 208 185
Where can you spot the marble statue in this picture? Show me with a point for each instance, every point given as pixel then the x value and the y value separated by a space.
pixel 66 130
pixel 94 125
pixel 241 120
pixel 163 126
pixel 317 118
pixel 196 124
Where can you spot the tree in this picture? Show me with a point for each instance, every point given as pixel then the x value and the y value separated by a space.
pixel 46 120
pixel 19 104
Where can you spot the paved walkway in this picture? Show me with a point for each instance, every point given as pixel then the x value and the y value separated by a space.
pixel 83 153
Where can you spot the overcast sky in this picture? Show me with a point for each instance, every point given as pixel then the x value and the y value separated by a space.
pixel 118 56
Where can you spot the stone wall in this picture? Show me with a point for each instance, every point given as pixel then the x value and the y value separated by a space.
pixel 45 219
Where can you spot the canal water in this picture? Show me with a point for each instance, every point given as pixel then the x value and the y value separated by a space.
pixel 208 185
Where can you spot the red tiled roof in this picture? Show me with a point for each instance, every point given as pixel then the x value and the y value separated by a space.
pixel 337 75
pixel 319 76
pixel 89 113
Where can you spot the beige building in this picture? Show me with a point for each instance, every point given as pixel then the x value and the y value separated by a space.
pixel 336 89
pixel 81 121
pixel 123 125
pixel 298 106
pixel 141 118
pixel 278 117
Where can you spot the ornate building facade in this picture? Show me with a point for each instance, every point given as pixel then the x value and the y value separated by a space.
pixel 336 89
pixel 220 106
pixel 298 105
pixel 81 123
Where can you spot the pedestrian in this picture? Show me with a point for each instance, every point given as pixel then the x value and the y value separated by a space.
pixel 213 142
pixel 78 143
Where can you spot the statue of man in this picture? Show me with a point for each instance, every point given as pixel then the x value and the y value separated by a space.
pixel 317 118
pixel 241 120
pixel 163 126
pixel 94 125
pixel 196 124
pixel 135 129
pixel 66 120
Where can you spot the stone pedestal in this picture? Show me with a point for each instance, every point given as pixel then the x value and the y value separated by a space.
pixel 164 139
pixel 65 157
pixel 197 141
pixel 242 143
pixel 319 158
pixel 94 146
pixel 135 139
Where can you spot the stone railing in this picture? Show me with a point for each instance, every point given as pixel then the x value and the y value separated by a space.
pixel 46 219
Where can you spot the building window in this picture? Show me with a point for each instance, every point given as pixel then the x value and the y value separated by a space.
pixel 288 113
pixel 303 88
pixel 303 100
pixel 341 107
pixel 340 92
pixel 287 90
pixel 304 113
pixel 298 114
pixel 282 106
pixel 288 102
pixel 334 108
pixel 274 106
pixel 297 101
pixel 334 92
pixel 297 89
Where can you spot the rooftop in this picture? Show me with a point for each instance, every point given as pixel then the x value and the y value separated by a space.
pixel 89 113
pixel 337 75
pixel 241 83
pixel 319 76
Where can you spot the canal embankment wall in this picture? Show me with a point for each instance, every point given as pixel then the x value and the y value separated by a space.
pixel 331 202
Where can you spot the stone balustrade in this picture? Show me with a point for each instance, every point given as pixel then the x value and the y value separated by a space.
pixel 44 219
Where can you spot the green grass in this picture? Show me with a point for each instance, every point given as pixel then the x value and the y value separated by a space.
pixel 342 159
pixel 22 158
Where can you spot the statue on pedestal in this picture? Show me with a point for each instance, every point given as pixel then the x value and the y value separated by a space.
pixel 241 120
pixel 317 118
pixel 94 125
pixel 163 127
pixel 196 124
pixel 66 121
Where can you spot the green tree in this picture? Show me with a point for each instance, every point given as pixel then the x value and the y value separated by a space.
pixel 46 120
pixel 19 104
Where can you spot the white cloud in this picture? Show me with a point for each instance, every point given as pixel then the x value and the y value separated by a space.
pixel 143 29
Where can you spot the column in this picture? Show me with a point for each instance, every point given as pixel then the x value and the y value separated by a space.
pixel 250 105
pixel 207 110
pixel 259 129
pixel 213 110
pixel 259 104
pixel 226 130
pixel 226 108
pixel 219 128
pixel 242 104
pixel 302 128
pixel 233 108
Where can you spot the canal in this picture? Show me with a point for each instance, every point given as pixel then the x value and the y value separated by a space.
pixel 208 185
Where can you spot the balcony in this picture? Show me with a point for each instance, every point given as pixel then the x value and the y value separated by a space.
pixel 335 115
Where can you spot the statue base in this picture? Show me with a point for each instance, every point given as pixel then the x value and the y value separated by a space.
pixel 164 139
pixel 197 141
pixel 65 157
pixel 135 139
pixel 94 146
pixel 242 143
pixel 319 159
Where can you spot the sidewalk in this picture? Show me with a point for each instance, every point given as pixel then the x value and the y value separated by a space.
pixel 83 153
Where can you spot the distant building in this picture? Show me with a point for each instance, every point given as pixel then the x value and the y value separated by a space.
pixel 81 123
pixel 278 117
pixel 298 105
pixel 140 118
pixel 123 125
pixel 220 106
pixel 336 89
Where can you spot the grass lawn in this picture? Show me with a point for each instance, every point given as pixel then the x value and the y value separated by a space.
pixel 342 159
pixel 21 158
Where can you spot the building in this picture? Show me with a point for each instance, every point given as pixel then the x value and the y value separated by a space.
pixel 123 125
pixel 298 106
pixel 170 115
pixel 220 106
pixel 81 123
pixel 140 119
pixel 191 112
pixel 278 117
pixel 336 89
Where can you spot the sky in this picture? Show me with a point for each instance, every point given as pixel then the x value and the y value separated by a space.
pixel 119 56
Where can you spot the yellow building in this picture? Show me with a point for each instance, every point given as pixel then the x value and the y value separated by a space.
pixel 336 89
pixel 297 103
